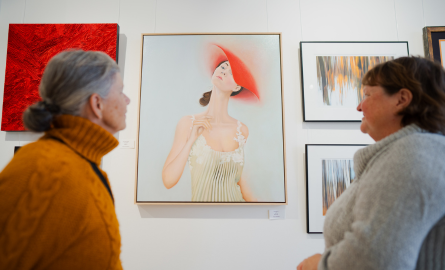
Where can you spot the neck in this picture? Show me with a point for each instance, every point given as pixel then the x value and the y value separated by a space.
pixel 88 113
pixel 364 155
pixel 391 129
pixel 86 138
pixel 218 106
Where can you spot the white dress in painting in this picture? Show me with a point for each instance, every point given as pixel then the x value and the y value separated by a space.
pixel 215 174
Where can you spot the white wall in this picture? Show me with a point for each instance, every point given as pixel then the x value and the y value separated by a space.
pixel 224 237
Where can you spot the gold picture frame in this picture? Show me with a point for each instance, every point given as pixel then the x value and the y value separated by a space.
pixel 434 43
pixel 176 46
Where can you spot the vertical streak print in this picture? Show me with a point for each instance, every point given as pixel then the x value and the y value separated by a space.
pixel 336 176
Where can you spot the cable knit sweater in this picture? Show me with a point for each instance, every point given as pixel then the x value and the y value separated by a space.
pixel 55 213
pixel 393 215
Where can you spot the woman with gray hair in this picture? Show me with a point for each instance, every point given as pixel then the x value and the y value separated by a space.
pixel 57 209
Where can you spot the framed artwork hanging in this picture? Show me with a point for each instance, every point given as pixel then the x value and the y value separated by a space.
pixel 31 46
pixel 211 127
pixel 329 172
pixel 332 72
pixel 434 43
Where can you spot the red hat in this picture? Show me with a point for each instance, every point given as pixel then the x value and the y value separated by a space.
pixel 240 71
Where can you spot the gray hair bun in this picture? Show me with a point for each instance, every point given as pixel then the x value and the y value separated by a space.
pixel 39 116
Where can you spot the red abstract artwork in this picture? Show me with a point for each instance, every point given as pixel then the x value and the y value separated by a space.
pixel 31 46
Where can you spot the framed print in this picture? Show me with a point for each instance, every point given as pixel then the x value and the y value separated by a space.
pixel 211 120
pixel 434 43
pixel 31 46
pixel 332 75
pixel 329 172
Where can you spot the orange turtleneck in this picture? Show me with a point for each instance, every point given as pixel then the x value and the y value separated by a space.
pixel 55 213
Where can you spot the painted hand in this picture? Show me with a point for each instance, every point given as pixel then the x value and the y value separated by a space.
pixel 199 125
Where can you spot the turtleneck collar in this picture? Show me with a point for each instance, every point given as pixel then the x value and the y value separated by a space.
pixel 363 156
pixel 86 138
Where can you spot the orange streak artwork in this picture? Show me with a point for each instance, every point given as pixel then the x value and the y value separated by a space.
pixel 336 176
pixel 339 78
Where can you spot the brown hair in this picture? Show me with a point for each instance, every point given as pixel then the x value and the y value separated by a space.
pixel 204 101
pixel 424 79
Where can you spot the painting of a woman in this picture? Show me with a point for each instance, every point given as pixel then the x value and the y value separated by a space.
pixel 211 120
pixel 212 142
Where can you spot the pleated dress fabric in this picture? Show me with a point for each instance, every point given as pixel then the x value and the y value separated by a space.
pixel 215 175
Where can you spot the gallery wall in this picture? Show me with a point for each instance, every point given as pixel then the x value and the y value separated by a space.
pixel 224 237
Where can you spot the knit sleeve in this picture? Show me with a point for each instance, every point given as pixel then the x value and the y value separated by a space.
pixel 399 200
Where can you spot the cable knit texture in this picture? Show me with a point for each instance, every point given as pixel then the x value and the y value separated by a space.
pixel 55 213
pixel 392 216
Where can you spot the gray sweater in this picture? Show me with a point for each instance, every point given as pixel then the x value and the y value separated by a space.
pixel 393 215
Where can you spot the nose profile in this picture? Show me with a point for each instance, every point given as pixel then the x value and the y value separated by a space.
pixel 359 107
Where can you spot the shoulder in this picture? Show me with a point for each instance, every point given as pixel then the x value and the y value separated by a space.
pixel 43 155
pixel 424 152
pixel 44 175
pixel 49 162
pixel 421 147
pixel 50 169
pixel 424 139
pixel 414 161
pixel 244 129
pixel 185 122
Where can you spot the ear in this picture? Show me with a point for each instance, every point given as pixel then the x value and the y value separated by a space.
pixel 96 105
pixel 237 88
pixel 404 98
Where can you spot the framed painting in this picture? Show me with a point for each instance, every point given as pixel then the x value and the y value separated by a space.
pixel 329 172
pixel 31 46
pixel 434 43
pixel 332 72
pixel 211 127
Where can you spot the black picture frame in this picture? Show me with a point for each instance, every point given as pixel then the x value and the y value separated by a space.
pixel 314 213
pixel 313 112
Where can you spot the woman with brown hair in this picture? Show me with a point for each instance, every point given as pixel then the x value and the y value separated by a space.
pixel 393 216
pixel 57 208
pixel 213 144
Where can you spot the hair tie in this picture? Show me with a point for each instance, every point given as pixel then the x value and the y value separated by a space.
pixel 52 108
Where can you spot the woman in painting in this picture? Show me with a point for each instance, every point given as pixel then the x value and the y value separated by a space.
pixel 393 216
pixel 213 141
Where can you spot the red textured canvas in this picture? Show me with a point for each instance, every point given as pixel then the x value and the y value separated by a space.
pixel 31 46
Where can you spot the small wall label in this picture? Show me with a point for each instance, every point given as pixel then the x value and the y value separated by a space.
pixel 276 214
pixel 128 144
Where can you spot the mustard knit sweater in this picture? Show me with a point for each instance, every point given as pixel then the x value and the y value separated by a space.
pixel 55 213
